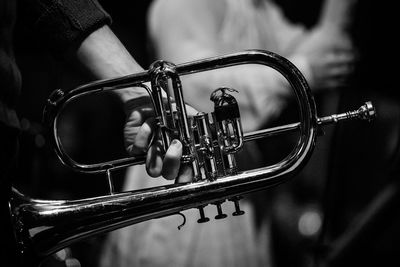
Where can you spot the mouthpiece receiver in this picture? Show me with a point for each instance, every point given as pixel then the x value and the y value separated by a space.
pixel 366 112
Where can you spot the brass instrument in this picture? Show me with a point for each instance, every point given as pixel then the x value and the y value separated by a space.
pixel 210 142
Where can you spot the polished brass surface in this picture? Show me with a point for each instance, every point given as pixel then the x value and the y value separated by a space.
pixel 210 142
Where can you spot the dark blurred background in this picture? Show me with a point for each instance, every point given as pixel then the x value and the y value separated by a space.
pixel 363 160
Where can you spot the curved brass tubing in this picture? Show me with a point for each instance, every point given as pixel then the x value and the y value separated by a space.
pixel 43 227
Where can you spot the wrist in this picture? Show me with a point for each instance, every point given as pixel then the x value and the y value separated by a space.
pixel 129 93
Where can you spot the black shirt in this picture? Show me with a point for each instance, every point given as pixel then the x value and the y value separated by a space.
pixel 59 25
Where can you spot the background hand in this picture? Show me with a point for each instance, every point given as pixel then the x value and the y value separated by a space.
pixel 330 55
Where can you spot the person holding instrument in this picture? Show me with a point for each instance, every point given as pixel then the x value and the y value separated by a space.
pixel 78 30
pixel 185 30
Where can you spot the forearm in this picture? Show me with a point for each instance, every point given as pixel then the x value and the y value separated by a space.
pixel 104 57
pixel 337 13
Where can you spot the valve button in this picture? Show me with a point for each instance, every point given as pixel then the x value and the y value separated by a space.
pixel 220 214
pixel 203 218
pixel 237 211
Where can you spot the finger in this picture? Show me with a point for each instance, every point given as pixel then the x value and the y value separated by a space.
pixel 140 115
pixel 341 71
pixel 335 59
pixel 139 141
pixel 335 83
pixel 154 160
pixel 172 160
pixel 144 135
pixel 142 104
pixel 185 174
pixel 345 58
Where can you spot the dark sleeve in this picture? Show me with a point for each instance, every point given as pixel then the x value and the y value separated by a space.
pixel 63 24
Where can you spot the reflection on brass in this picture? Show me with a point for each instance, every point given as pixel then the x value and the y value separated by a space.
pixel 210 142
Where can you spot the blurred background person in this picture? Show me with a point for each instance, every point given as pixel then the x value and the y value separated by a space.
pixel 181 31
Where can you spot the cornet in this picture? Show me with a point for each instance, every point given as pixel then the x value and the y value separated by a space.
pixel 210 142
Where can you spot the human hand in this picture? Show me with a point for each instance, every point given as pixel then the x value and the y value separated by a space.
pixel 105 57
pixel 330 55
pixel 140 130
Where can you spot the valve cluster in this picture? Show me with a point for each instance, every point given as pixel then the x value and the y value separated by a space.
pixel 218 137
